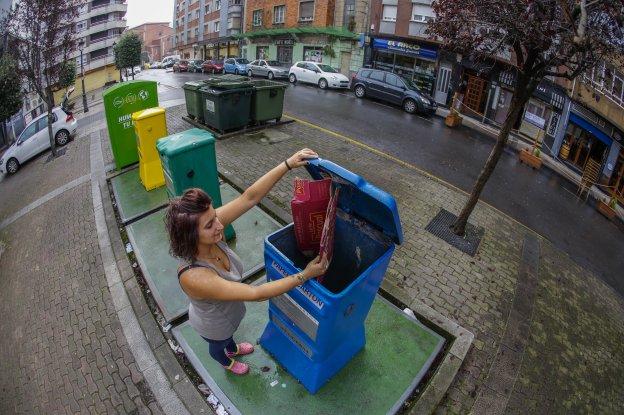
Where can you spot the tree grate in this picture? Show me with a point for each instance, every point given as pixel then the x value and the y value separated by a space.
pixel 440 226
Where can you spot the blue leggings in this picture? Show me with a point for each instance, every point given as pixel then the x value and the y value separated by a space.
pixel 217 349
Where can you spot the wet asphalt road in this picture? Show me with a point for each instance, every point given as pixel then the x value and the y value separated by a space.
pixel 541 200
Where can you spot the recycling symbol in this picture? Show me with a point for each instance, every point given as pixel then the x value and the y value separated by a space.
pixel 118 102
pixel 143 94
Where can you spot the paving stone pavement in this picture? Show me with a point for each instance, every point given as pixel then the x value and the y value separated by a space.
pixel 62 349
pixel 573 359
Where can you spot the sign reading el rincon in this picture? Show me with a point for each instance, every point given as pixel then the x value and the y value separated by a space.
pixel 120 102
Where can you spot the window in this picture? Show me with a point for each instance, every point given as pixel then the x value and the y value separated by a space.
pixel 218 5
pixel 80 26
pixel 28 132
pixel 216 26
pixel 257 18
pixel 301 65
pixel 365 73
pixel 197 14
pixel 306 11
pixel 278 14
pixel 389 13
pixel 377 76
pixel 188 17
pixel 394 80
pixel 197 32
pixel 207 9
pixel 421 13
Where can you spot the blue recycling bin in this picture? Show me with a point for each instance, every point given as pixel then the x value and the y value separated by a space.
pixel 315 329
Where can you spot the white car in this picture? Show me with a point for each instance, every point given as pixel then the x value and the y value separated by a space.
pixel 34 139
pixel 317 73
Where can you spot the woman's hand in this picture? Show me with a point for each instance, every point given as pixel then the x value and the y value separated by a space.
pixel 315 268
pixel 300 158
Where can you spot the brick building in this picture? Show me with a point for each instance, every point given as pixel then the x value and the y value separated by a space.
pixel 205 29
pixel 316 30
pixel 155 37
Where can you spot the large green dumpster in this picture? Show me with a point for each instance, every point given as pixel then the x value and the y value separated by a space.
pixel 194 100
pixel 189 160
pixel 120 102
pixel 267 101
pixel 227 105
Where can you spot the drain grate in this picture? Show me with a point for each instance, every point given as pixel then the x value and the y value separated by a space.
pixel 440 226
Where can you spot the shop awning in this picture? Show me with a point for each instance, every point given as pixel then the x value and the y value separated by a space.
pixel 338 32
pixel 586 125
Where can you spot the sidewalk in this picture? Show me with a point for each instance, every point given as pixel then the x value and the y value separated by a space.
pixel 518 143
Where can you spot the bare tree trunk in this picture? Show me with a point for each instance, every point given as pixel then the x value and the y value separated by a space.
pixel 50 105
pixel 517 103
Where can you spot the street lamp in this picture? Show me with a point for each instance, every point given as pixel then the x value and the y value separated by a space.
pixel 115 52
pixel 85 108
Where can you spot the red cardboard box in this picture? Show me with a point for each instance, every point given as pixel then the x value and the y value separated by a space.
pixel 309 207
pixel 326 248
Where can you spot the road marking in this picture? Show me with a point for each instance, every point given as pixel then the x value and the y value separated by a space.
pixel 409 166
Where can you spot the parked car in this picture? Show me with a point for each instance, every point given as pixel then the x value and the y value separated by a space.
pixel 170 62
pixel 270 69
pixel 35 139
pixel 181 66
pixel 317 73
pixel 236 66
pixel 155 65
pixel 212 66
pixel 392 88
pixel 195 65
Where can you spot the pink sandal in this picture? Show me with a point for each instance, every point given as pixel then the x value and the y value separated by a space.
pixel 242 349
pixel 237 368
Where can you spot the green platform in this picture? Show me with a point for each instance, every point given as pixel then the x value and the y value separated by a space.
pixel 151 246
pixel 132 198
pixel 398 353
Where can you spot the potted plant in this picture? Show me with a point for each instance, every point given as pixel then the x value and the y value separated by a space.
pixel 453 119
pixel 532 157
pixel 607 207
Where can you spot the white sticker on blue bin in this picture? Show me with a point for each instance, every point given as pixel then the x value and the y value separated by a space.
pixel 297 314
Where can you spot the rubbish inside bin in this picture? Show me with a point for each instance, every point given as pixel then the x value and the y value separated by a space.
pixel 309 206
pixel 356 247
pixel 326 246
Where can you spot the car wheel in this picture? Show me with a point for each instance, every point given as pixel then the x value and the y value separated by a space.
pixel 409 105
pixel 292 78
pixel 360 91
pixel 249 73
pixel 61 137
pixel 270 75
pixel 322 83
pixel 12 166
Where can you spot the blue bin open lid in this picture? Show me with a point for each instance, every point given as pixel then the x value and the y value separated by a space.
pixel 363 200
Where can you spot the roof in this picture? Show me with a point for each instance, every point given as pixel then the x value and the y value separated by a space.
pixel 340 32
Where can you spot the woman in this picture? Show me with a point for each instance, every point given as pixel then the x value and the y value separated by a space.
pixel 211 272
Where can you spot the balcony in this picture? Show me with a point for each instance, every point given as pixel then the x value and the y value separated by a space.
pixel 97 63
pixel 107 8
pixel 102 26
pixel 106 42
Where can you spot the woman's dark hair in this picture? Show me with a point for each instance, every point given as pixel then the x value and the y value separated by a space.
pixel 181 220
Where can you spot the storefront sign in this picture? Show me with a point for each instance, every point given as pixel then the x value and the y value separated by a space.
pixel 552 126
pixel 405 48
pixel 284 42
pixel 549 94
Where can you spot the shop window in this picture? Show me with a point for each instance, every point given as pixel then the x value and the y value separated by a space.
pixel 257 18
pixel 278 14
pixel 313 53
pixel 389 13
pixel 306 11
pixel 262 52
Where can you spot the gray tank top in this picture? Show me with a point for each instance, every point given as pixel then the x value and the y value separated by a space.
pixel 213 319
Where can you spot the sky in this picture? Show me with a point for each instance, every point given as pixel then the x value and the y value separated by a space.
pixel 146 11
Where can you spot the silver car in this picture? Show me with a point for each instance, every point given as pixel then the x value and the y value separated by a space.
pixel 270 69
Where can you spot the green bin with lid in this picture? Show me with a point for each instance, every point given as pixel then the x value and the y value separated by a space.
pixel 267 101
pixel 227 105
pixel 194 100
pixel 189 160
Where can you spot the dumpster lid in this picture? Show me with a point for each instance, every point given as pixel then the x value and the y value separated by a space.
pixel 182 142
pixel 366 201
pixel 148 113
pixel 194 85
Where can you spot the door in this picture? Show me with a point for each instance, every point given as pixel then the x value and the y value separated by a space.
pixel 442 84
pixel 394 89
pixel 42 138
pixel 474 93
pixel 262 68
pixel 26 145
pixel 345 63
pixel 300 71
pixel 284 55
pixel 375 85
pixel 309 74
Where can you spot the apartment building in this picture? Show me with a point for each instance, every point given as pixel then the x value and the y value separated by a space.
pixel 99 26
pixel 205 29
pixel 156 38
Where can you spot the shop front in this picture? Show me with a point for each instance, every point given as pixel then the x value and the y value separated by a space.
pixel 220 49
pixel 542 113
pixel 415 61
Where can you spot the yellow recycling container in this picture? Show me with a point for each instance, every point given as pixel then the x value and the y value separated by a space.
pixel 150 125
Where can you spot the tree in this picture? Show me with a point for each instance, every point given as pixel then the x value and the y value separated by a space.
pixel 44 32
pixel 67 74
pixel 10 88
pixel 128 51
pixel 560 38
